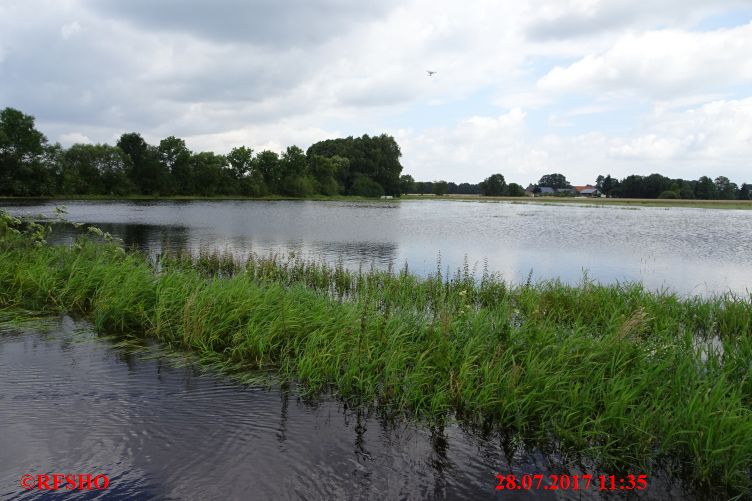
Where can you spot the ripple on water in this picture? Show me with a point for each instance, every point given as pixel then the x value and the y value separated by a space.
pixel 72 403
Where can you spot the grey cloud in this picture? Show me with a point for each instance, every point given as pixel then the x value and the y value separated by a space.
pixel 258 22
pixel 619 14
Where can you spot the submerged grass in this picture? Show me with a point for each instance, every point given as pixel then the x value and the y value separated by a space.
pixel 623 375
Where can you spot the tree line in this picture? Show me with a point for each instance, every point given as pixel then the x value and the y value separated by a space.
pixel 366 166
pixel 659 186
pixel 31 166
pixel 493 186
pixel 634 186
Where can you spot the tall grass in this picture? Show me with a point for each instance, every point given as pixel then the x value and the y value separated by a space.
pixel 624 375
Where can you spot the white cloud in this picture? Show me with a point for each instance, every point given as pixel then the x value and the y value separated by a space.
pixel 74 138
pixel 209 76
pixel 70 29
pixel 660 64
pixel 712 139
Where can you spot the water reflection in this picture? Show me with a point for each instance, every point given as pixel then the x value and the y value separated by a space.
pixel 691 251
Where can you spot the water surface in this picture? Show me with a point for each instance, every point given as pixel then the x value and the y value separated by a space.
pixel 687 250
pixel 71 402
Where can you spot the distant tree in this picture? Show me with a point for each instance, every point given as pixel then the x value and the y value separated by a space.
pixel 725 189
pixel 744 192
pixel 148 173
pixel 407 184
pixel 440 188
pixel 211 175
pixel 325 172
pixel 555 181
pixel 493 186
pixel 424 187
pixel 706 189
pixel 606 184
pixel 669 194
pixel 267 163
pixel 515 190
pixel 468 189
pixel 240 160
pixel 100 169
pixel 376 157
pixel 175 158
pixel 364 186
pixel 686 189
pixel 295 179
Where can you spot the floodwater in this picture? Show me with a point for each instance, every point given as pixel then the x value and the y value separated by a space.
pixel 73 403
pixel 686 250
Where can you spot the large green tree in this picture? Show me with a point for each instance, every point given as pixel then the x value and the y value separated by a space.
pixel 175 159
pixel 555 181
pixel 148 174
pixel 494 186
pixel 23 170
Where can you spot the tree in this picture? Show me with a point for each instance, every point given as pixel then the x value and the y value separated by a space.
pixel 606 185
pixel 364 186
pixel 515 190
pixel 725 188
pixel 22 147
pixel 100 169
pixel 744 192
pixel 148 173
pixel 555 181
pixel 175 158
pixel 376 157
pixel 267 162
pixel 294 178
pixel 440 188
pixel 407 184
pixel 706 189
pixel 494 186
pixel 211 175
pixel 325 171
pixel 240 160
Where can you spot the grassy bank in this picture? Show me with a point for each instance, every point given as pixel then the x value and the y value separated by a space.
pixel 622 375
pixel 633 202
pixel 189 198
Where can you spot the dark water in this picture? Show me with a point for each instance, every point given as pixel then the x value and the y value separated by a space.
pixel 73 403
pixel 690 251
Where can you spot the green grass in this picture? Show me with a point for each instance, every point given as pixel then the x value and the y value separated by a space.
pixel 619 374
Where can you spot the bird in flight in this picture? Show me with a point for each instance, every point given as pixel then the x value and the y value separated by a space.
pixel 430 73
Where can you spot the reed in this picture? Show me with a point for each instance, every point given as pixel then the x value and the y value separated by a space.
pixel 626 376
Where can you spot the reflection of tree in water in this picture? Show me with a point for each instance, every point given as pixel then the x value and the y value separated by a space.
pixel 149 238
pixel 440 460
pixel 381 255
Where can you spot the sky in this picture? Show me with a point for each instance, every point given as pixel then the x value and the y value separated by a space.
pixel 523 88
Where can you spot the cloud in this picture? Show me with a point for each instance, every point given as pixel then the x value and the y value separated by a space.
pixel 521 87
pixel 74 138
pixel 712 139
pixel 660 64
pixel 582 18
pixel 258 22
pixel 70 29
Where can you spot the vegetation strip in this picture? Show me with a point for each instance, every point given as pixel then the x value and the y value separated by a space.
pixel 618 373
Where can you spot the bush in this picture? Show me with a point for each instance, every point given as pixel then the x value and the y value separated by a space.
pixel 366 187
pixel 669 194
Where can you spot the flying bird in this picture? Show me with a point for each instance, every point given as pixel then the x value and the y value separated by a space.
pixel 430 73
